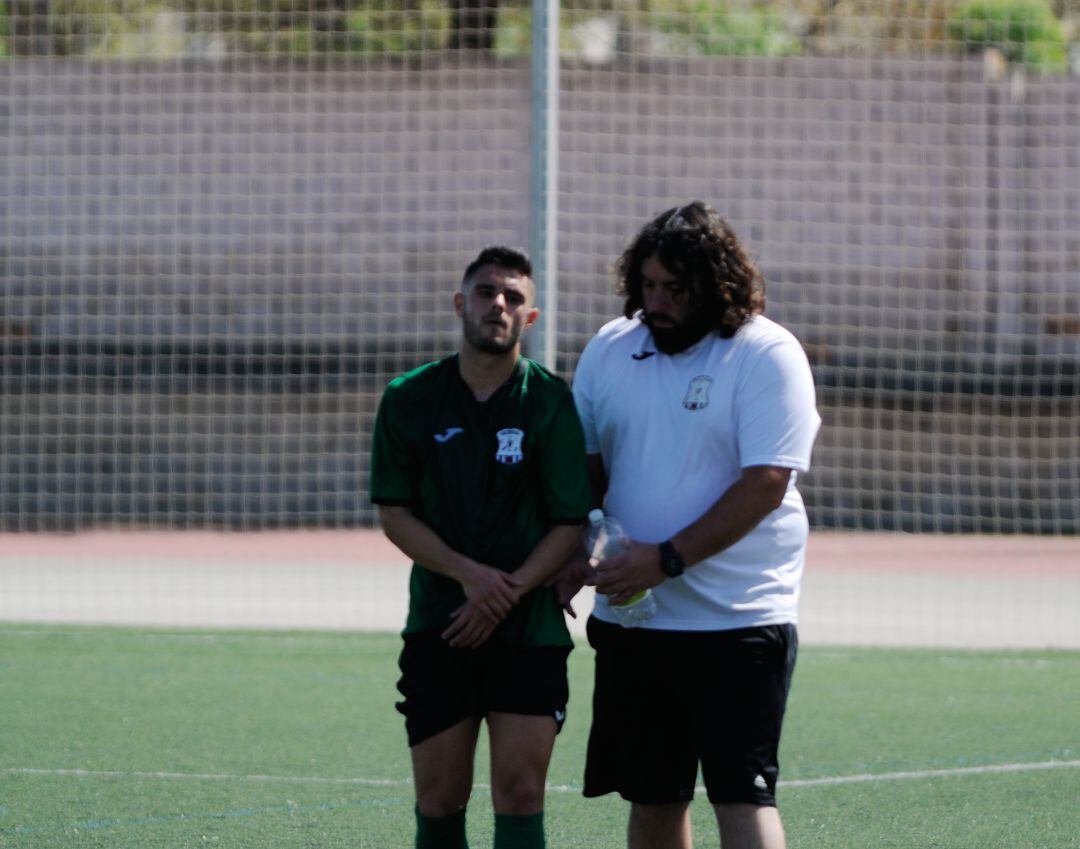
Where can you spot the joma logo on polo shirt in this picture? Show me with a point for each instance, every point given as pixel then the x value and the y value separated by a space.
pixel 448 434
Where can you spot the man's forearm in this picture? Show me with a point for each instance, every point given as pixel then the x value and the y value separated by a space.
pixel 737 512
pixel 553 550
pixel 420 543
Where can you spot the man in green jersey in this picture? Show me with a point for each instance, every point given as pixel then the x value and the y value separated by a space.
pixel 478 470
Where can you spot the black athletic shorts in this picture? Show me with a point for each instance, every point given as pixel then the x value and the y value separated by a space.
pixel 443 685
pixel 666 701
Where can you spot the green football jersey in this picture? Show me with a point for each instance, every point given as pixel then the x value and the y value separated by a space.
pixel 490 478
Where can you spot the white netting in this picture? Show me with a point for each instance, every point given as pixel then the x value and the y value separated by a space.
pixel 914 202
pixel 225 224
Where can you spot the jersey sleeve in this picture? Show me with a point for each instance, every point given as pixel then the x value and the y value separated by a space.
pixel 583 397
pixel 777 411
pixel 393 472
pixel 567 496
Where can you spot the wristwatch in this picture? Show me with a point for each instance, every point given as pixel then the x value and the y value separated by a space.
pixel 671 562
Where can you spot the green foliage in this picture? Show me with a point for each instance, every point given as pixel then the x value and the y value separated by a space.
pixel 386 26
pixel 106 28
pixel 671 27
pixel 5 30
pixel 169 28
pixel 286 27
pixel 1025 31
pixel 513 30
pixel 736 28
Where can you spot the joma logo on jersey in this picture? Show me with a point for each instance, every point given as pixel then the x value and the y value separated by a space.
pixel 697 394
pixel 509 446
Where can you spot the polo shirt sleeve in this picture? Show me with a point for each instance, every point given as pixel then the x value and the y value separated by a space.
pixel 393 467
pixel 776 408
pixel 566 492
pixel 583 397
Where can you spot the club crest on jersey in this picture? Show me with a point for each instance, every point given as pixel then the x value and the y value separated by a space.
pixel 509 446
pixel 697 395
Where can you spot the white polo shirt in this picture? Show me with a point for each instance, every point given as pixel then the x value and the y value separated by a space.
pixel 676 431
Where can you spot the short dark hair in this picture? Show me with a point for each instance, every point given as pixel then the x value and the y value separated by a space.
pixel 694 243
pixel 499 255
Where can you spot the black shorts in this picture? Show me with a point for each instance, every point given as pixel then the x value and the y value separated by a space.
pixel 666 701
pixel 443 685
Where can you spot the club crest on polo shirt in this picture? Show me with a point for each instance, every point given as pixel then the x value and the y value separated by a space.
pixel 509 446
pixel 697 395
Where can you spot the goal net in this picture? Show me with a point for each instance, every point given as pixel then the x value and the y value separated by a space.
pixel 226 224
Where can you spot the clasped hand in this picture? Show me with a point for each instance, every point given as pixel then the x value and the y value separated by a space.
pixel 490 594
pixel 621 577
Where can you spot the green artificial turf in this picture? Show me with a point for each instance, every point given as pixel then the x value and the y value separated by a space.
pixel 128 738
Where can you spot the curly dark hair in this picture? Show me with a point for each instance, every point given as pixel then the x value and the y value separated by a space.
pixel 694 243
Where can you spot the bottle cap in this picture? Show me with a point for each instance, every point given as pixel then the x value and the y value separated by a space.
pixel 596 516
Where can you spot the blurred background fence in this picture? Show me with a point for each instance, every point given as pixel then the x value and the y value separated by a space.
pixel 226 224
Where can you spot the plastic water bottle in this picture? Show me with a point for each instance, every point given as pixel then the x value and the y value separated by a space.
pixel 604 538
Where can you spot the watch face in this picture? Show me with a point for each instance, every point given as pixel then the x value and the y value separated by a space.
pixel 671 561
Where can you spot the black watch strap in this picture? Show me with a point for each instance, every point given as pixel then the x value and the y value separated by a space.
pixel 671 562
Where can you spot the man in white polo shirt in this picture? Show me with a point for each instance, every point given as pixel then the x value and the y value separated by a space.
pixel 699 413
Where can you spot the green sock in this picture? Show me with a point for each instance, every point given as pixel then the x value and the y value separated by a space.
pixel 512 832
pixel 441 832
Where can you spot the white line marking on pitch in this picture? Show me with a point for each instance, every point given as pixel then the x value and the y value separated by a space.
pixel 928 773
pixel 563 788
pixel 203 776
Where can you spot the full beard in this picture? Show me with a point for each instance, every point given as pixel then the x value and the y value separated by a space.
pixel 676 338
pixel 474 335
